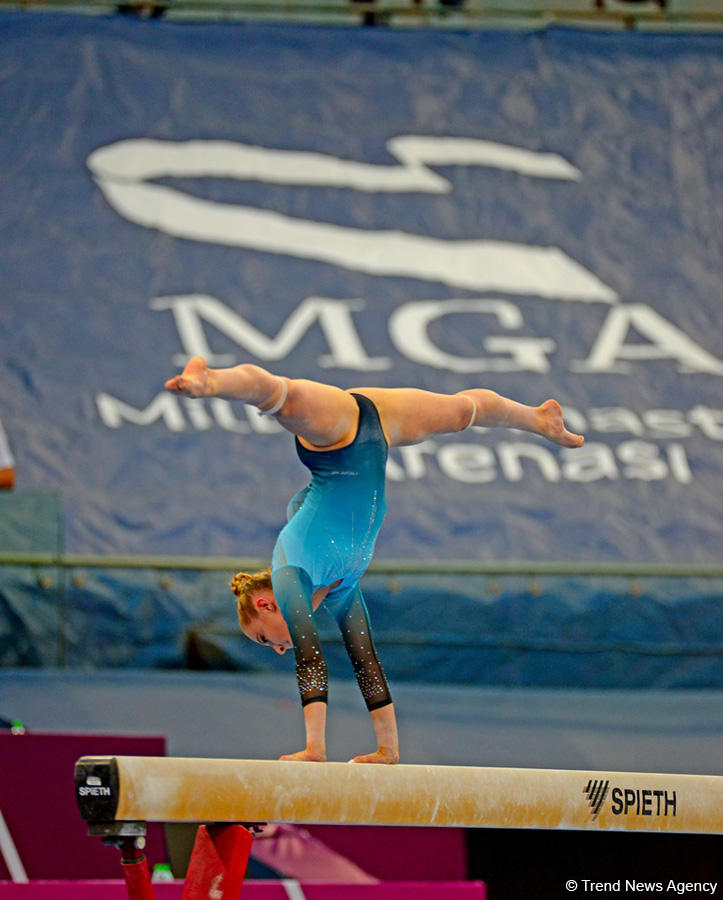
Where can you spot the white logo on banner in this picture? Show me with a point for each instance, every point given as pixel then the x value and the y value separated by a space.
pixel 124 172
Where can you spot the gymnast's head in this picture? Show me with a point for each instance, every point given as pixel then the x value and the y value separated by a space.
pixel 258 612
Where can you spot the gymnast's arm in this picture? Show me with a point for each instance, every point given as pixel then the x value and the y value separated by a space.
pixel 292 591
pixel 354 624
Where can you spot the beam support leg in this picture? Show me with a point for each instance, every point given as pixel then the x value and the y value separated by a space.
pixel 135 871
pixel 218 862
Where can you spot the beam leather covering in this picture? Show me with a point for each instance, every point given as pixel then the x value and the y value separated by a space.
pixel 227 790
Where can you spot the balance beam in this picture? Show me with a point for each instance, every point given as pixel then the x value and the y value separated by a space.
pixel 139 789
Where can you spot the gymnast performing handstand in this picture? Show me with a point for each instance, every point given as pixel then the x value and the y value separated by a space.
pixel 343 438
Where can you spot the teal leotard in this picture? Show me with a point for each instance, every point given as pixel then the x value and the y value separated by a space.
pixel 330 536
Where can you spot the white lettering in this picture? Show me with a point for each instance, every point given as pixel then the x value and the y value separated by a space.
pixel 165 406
pixel 665 341
pixel 94 791
pixel 576 421
pixel 471 463
pixel 667 422
pixel 590 463
pixel 477 463
pixel 409 324
pixel 642 461
pixel 657 422
pixel 510 455
pixel 408 327
pixel 413 458
pixel 223 413
pixel 197 414
pixel 678 462
pixel 610 419
pixel 710 421
pixel 692 887
pixel 333 316
pixel 395 472
pixel 262 424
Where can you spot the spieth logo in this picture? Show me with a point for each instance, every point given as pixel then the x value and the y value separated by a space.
pixel 94 787
pixel 596 790
pixel 629 801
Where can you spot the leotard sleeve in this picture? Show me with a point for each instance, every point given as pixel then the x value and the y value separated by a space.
pixel 353 621
pixel 292 590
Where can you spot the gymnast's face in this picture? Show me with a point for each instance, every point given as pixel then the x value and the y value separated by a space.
pixel 269 627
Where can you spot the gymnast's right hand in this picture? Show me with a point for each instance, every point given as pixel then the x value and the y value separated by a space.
pixel 307 755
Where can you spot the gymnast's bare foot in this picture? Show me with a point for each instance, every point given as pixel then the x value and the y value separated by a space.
pixel 552 427
pixel 194 381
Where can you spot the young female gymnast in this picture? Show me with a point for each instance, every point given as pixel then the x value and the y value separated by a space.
pixel 321 553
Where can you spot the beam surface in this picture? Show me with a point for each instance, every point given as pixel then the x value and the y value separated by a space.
pixel 167 789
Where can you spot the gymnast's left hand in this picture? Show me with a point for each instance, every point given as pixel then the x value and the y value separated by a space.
pixel 306 755
pixel 385 755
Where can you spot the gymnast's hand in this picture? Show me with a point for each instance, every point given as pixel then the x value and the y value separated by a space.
pixel 385 727
pixel 384 755
pixel 306 755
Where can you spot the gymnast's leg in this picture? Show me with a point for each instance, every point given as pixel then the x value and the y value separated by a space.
pixel 410 415
pixel 326 416
pixel 321 414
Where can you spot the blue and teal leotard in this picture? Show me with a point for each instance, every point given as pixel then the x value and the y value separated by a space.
pixel 330 535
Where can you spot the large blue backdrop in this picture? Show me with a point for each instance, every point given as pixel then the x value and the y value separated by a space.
pixel 539 213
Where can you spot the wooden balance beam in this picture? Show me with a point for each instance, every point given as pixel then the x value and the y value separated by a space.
pixel 136 789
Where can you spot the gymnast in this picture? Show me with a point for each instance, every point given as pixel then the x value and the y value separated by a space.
pixel 320 555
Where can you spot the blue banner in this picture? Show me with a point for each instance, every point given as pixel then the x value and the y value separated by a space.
pixel 537 213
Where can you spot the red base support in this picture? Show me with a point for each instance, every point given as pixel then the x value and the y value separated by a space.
pixel 137 877
pixel 218 863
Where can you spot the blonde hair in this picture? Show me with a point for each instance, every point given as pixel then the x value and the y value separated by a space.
pixel 244 587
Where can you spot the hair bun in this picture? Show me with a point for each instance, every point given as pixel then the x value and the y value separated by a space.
pixel 239 581
pixel 244 587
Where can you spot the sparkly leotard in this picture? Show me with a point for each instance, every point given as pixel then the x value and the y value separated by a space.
pixel 330 536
